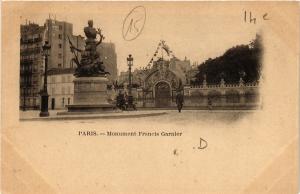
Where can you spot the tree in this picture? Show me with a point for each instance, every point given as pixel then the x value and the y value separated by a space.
pixel 240 58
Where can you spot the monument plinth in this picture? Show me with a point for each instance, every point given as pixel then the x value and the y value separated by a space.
pixel 90 94
pixel 90 84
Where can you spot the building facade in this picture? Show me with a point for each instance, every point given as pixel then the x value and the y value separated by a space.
pixel 108 55
pixel 60 88
pixel 58 34
pixel 61 66
pixel 177 66
pixel 181 67
pixel 31 65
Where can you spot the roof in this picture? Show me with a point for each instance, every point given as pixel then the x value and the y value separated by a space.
pixel 32 29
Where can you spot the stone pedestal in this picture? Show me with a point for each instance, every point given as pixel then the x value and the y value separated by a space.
pixel 90 95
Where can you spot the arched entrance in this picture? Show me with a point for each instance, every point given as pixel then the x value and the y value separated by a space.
pixel 162 94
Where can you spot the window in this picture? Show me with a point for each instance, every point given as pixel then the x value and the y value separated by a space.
pixel 59 46
pixel 60 36
pixel 59 55
pixel 68 100
pixel 35 68
pixel 60 27
pixel 63 102
pixel 59 65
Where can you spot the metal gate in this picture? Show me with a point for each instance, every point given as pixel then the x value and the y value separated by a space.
pixel 162 95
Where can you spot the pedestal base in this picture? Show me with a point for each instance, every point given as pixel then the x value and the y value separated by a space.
pixel 44 104
pixel 44 114
pixel 90 95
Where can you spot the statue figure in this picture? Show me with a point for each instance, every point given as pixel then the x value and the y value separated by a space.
pixel 89 31
pixel 90 63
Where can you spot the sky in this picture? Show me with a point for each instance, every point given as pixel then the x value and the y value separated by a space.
pixel 196 30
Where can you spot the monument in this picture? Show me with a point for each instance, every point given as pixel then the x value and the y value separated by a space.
pixel 90 83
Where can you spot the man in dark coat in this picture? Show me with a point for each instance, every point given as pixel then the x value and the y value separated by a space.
pixel 179 100
pixel 209 103
pixel 121 101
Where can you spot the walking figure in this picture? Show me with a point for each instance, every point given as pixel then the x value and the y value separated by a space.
pixel 121 103
pixel 209 103
pixel 179 101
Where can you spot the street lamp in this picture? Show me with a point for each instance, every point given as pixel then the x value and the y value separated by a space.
pixel 44 93
pixel 24 98
pixel 130 97
pixel 24 85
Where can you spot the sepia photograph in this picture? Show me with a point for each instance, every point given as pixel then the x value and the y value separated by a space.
pixel 71 68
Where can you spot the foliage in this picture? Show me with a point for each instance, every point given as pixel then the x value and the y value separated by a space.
pixel 232 64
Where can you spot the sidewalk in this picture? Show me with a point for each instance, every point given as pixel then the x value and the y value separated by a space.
pixel 33 115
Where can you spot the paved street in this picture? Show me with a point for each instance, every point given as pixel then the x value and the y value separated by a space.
pixel 64 115
pixel 159 116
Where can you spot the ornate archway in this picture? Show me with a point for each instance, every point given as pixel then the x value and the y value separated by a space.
pixel 162 83
pixel 158 75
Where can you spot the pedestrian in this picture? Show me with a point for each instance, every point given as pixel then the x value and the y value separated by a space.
pixel 179 101
pixel 121 101
pixel 209 103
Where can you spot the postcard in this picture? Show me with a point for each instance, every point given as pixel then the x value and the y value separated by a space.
pixel 150 97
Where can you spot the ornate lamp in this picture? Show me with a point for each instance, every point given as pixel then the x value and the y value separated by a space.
pixel 44 93
pixel 242 75
pixel 130 97
pixel 204 80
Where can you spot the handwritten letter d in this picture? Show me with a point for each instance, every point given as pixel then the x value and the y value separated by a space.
pixel 203 144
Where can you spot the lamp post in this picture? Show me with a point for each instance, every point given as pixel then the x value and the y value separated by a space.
pixel 44 93
pixel 24 84
pixel 24 98
pixel 130 97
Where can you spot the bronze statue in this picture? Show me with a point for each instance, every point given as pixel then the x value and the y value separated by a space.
pixel 90 63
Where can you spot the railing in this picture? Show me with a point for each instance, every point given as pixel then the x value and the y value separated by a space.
pixel 30 41
pixel 254 84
